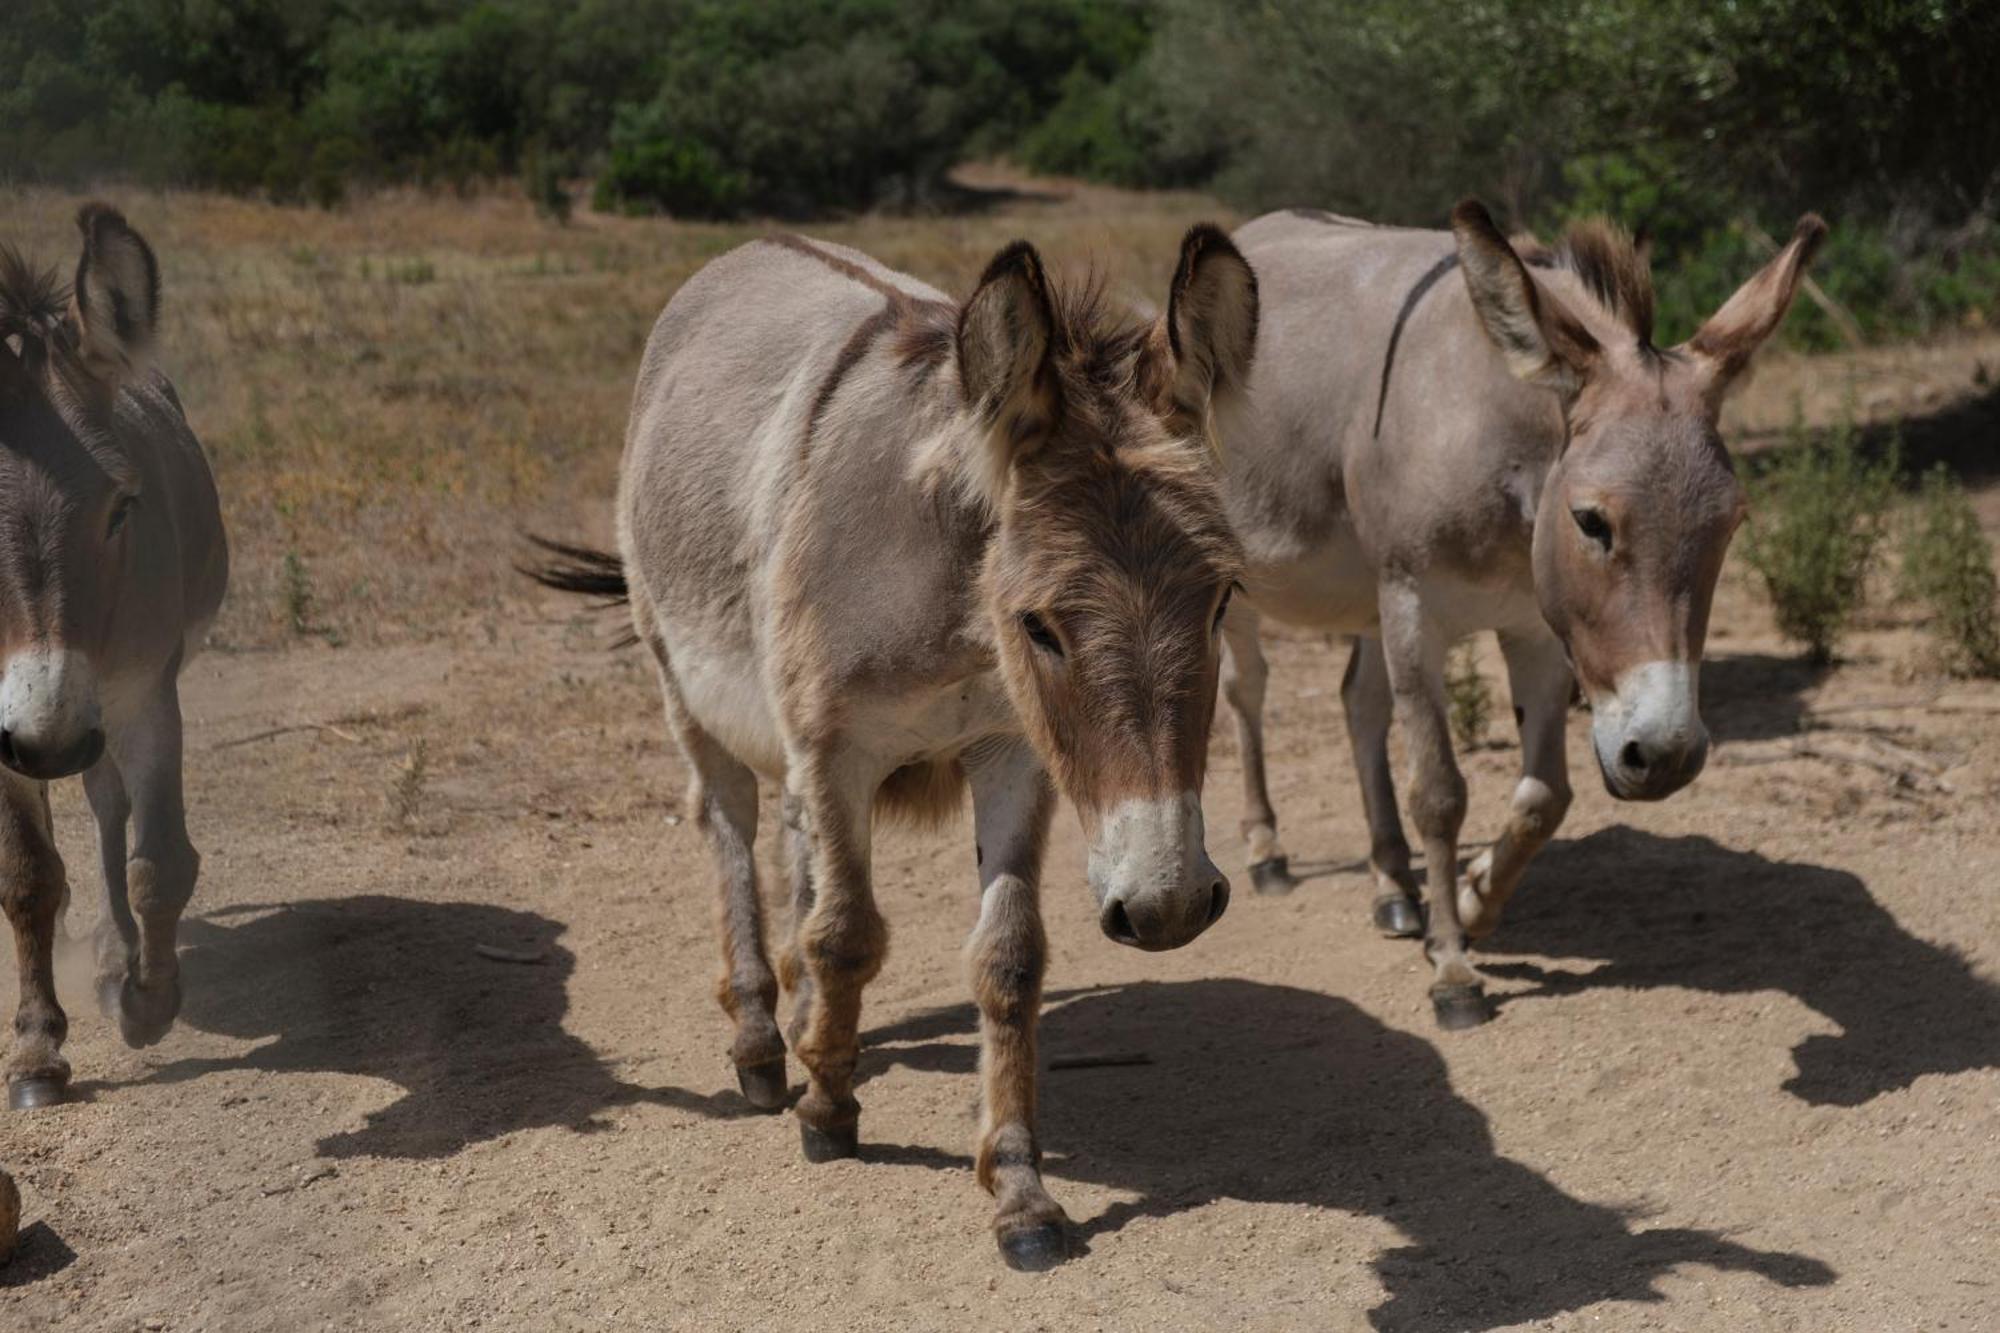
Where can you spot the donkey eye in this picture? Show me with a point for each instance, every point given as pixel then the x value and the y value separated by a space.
pixel 119 513
pixel 1043 637
pixel 1592 524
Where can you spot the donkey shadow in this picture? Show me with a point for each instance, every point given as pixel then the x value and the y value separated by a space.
pixel 1690 912
pixel 1274 1094
pixel 1756 696
pixel 393 989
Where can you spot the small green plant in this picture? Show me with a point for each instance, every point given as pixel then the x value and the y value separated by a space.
pixel 1817 517
pixel 1470 704
pixel 406 793
pixel 1948 566
pixel 298 591
pixel 410 272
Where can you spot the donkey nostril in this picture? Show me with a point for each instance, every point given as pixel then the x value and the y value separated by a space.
pixel 7 746
pixel 1119 926
pixel 1218 900
pixel 1633 756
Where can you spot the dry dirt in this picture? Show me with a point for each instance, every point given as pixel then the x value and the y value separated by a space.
pixel 1745 1071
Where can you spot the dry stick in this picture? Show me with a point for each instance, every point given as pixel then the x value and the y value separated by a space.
pixel 327 727
pixel 500 955
pixel 1099 1060
pixel 1921 774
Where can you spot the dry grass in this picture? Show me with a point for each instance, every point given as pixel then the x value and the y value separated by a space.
pixel 391 391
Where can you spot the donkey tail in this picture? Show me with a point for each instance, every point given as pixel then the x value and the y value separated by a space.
pixel 582 570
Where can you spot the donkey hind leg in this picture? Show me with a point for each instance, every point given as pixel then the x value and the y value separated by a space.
pixel 841 942
pixel 1365 694
pixel 117 941
pixel 792 971
pixel 1244 674
pixel 160 875
pixel 32 892
pixel 1539 678
pixel 1005 957
pixel 722 793
pixel 1414 649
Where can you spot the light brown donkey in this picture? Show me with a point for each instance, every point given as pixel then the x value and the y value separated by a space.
pixel 112 563
pixel 1427 454
pixel 884 546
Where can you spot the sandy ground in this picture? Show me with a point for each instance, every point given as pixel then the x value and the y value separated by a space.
pixel 1743 1074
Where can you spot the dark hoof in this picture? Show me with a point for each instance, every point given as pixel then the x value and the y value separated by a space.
pixel 1035 1249
pixel 1459 1007
pixel 145 1015
pixel 764 1085
pixel 830 1145
pixel 1273 876
pixel 28 1094
pixel 1398 917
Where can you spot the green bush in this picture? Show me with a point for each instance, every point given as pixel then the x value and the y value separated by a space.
pixel 1818 513
pixel 1470 703
pixel 1948 566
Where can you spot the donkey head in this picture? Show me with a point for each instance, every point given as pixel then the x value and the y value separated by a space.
pixel 65 491
pixel 1637 512
pixel 1112 557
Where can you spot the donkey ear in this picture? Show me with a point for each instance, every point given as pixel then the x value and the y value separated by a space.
pixel 116 295
pixel 1211 319
pixel 1732 334
pixel 1005 339
pixel 1542 340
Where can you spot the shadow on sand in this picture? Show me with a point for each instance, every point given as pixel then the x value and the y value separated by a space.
pixel 392 989
pixel 1273 1094
pixel 1689 912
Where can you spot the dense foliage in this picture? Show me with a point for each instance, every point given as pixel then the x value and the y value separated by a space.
pixel 1692 117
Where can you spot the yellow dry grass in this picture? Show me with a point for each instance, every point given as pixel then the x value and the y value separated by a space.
pixel 390 392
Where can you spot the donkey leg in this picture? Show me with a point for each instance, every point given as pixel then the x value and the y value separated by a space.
pixel 1539 677
pixel 117 943
pixel 160 876
pixel 1364 692
pixel 1414 649
pixel 1005 957
pixel 31 892
pixel 1244 674
pixel 792 970
pixel 842 943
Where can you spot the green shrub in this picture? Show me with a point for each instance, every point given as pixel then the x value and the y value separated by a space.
pixel 1948 566
pixel 1470 704
pixel 1817 516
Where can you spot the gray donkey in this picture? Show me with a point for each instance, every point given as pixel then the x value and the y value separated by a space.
pixel 884 546
pixel 112 565
pixel 1422 458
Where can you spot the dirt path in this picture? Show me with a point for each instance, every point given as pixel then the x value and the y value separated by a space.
pixel 1744 1073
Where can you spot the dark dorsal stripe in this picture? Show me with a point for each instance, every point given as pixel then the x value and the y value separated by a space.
pixel 1424 284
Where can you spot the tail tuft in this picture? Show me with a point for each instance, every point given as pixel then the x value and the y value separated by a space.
pixel 579 569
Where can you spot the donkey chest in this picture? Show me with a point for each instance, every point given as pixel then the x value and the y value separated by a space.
pixel 933 720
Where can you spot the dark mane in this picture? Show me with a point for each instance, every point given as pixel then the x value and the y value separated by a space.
pixel 1097 344
pixel 32 300
pixel 1613 268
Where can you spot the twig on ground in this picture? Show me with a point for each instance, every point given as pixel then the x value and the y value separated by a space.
pixel 1099 1060
pixel 500 955
pixel 286 730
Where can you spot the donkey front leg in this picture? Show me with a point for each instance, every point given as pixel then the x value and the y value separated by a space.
pixel 842 943
pixel 31 890
pixel 1539 677
pixel 1005 956
pixel 117 942
pixel 1244 674
pixel 160 875
pixel 1414 649
pixel 1365 694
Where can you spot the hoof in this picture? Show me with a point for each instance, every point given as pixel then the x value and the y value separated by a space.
pixel 29 1094
pixel 1459 1007
pixel 764 1086
pixel 1273 876
pixel 830 1145
pixel 145 1015
pixel 1035 1249
pixel 1397 917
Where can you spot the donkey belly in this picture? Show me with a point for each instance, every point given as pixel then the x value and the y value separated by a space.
pixel 1329 587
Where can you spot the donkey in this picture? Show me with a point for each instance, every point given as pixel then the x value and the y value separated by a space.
pixel 112 565
pixel 1393 479
pixel 883 547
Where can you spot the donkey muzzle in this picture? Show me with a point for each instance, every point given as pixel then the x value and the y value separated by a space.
pixel 1648 735
pixel 50 725
pixel 1156 888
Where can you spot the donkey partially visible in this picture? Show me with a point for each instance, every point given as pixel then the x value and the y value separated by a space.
pixel 882 547
pixel 1424 458
pixel 112 565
